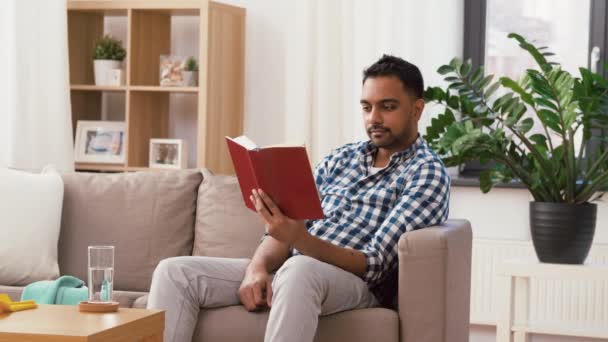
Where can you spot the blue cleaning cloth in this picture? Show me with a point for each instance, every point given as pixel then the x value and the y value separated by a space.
pixel 65 290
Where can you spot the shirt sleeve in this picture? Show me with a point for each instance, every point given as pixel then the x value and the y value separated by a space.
pixel 424 202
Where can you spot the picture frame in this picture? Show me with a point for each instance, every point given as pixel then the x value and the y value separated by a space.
pixel 100 142
pixel 172 70
pixel 168 154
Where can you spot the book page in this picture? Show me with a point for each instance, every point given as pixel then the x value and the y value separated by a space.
pixel 288 144
pixel 245 142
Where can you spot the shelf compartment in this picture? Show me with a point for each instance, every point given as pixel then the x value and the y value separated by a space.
pixel 148 118
pixel 85 27
pixel 151 38
pixel 97 105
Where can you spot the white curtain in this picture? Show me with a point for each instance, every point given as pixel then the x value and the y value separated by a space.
pixel 35 116
pixel 330 42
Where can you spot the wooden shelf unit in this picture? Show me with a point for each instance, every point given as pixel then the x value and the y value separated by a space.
pixel 219 95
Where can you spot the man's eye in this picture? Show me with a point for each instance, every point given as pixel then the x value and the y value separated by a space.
pixel 366 108
pixel 390 107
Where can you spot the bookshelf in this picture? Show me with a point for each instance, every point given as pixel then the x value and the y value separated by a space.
pixel 214 33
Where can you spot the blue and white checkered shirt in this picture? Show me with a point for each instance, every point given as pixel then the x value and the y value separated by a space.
pixel 369 212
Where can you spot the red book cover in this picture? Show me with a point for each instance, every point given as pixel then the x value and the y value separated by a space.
pixel 283 172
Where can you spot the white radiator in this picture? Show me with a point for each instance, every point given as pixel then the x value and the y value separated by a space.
pixel 568 303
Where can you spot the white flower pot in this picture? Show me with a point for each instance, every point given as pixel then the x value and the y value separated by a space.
pixel 102 68
pixel 190 78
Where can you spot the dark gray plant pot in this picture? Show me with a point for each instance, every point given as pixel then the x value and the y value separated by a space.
pixel 562 233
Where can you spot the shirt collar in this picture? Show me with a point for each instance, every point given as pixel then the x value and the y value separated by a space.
pixel 369 151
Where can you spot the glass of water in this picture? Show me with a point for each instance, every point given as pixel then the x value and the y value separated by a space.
pixel 101 273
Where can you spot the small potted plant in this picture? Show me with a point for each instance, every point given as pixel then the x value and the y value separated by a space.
pixel 485 121
pixel 191 72
pixel 107 55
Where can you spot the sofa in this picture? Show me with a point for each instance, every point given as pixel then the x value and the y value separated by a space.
pixel 152 215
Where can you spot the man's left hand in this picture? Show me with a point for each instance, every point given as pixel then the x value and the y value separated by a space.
pixel 278 226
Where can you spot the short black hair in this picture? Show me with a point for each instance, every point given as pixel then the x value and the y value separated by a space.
pixel 406 72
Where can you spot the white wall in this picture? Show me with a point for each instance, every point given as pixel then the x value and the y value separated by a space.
pixel 265 69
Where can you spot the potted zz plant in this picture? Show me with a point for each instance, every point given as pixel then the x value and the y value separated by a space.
pixel 191 72
pixel 485 121
pixel 107 55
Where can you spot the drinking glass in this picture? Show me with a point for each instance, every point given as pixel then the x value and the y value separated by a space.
pixel 101 273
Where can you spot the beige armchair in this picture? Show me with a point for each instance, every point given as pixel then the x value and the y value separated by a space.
pixel 433 298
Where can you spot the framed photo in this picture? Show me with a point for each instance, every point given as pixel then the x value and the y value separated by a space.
pixel 100 142
pixel 168 154
pixel 172 71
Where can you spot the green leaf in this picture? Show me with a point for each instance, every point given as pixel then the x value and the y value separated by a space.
pixel 525 125
pixel 509 106
pixel 456 85
pixel 570 114
pixel 546 103
pixel 501 101
pixel 509 83
pixel 485 181
pixel 565 100
pixel 549 119
pixel 445 69
pixel 538 57
pixel 465 68
pixel 433 94
pixel 483 83
pixel 455 63
pixel 477 75
pixel 491 89
pixel 453 102
pixel 538 139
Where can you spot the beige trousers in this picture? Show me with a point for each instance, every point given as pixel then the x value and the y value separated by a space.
pixel 303 289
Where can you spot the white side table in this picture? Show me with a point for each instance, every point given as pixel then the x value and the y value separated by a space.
pixel 514 291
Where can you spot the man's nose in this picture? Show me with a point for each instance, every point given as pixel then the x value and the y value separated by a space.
pixel 374 116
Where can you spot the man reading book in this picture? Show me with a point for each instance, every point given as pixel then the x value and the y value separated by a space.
pixel 371 192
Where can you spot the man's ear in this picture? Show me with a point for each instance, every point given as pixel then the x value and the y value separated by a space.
pixel 418 108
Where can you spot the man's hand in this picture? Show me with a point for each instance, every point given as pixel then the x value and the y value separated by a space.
pixel 278 226
pixel 256 289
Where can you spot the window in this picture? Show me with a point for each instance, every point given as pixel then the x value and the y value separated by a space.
pixel 575 30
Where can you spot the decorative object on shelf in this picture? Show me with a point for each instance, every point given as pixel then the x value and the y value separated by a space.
pixel 116 77
pixel 191 72
pixel 100 142
pixel 168 154
pixel 563 178
pixel 172 71
pixel 108 55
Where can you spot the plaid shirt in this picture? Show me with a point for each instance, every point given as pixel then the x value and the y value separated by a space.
pixel 369 212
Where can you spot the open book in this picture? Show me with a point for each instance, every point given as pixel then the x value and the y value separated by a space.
pixel 283 172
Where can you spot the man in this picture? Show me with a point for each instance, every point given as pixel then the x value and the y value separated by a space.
pixel 372 192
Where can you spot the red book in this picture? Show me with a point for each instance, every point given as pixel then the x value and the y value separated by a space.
pixel 282 172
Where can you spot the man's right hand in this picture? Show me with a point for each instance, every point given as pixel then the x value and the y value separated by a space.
pixel 256 289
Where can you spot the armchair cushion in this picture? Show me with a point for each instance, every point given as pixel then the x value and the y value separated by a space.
pixel 435 283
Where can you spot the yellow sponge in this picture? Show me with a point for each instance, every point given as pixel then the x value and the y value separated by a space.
pixel 7 305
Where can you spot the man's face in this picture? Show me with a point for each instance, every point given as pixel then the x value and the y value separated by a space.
pixel 390 114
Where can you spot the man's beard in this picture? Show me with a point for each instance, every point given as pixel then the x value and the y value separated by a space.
pixel 391 138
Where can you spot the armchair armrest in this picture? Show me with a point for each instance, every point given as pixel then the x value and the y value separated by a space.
pixel 435 283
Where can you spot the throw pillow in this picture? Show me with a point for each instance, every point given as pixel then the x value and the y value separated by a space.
pixel 30 210
pixel 225 227
pixel 147 216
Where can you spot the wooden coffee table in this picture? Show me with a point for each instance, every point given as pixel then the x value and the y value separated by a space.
pixel 54 323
